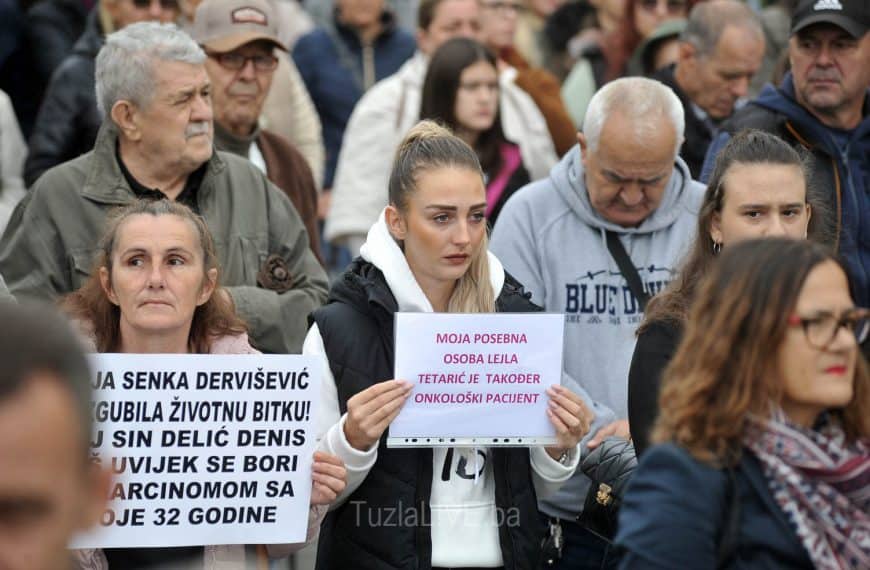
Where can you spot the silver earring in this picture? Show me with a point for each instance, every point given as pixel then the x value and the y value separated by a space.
pixel 717 247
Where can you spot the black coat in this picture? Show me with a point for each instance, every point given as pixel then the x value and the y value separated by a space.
pixel 68 119
pixel 356 326
pixel 676 511
pixel 655 347
pixel 698 134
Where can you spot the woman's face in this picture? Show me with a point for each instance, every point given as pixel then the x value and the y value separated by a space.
pixel 476 98
pixel 761 200
pixel 158 277
pixel 816 376
pixel 443 224
pixel 650 14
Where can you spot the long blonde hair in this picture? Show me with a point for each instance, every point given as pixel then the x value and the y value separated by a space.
pixel 429 145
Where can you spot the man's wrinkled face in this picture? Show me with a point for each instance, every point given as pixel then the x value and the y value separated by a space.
pixel 716 81
pixel 174 128
pixel 831 69
pixel 627 174
pixel 451 19
pixel 238 94
pixel 48 490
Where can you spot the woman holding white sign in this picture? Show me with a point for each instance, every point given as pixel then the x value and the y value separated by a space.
pixel 412 507
pixel 155 290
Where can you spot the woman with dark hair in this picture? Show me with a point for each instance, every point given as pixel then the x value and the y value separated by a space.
pixel 461 91
pixel 759 189
pixel 428 253
pixel 155 290
pixel 764 455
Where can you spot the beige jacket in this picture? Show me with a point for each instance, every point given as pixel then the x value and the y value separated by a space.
pixel 289 111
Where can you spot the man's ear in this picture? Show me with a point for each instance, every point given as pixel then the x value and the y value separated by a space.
pixel 124 114
pixel 98 484
pixel 396 223
pixel 584 146
pixel 686 53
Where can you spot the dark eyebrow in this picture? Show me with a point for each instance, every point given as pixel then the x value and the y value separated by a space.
pixel 453 208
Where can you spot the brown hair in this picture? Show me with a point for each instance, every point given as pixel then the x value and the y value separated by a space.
pixel 747 147
pixel 726 366
pixel 212 319
pixel 427 146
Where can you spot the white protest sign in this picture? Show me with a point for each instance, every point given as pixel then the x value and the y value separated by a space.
pixel 479 379
pixel 203 449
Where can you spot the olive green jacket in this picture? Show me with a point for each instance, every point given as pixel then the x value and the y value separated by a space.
pixel 49 246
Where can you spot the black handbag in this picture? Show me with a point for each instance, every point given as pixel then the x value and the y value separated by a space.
pixel 609 466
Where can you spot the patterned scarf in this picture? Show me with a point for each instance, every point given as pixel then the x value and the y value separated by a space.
pixel 822 483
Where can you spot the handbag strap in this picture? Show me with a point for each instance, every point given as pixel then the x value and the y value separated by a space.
pixel 627 268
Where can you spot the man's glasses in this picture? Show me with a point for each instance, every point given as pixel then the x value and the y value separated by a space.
pixel 821 329
pixel 165 4
pixel 236 61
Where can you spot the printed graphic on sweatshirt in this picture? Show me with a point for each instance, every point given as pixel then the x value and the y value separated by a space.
pixel 604 297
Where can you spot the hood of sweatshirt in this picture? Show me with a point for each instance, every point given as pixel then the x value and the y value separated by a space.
pixel 568 179
pixel 382 251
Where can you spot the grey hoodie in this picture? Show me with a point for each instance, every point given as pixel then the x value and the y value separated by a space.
pixel 553 241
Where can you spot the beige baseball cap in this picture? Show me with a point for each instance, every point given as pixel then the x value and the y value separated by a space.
pixel 224 25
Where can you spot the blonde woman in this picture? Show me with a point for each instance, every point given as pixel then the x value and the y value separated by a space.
pixel 419 508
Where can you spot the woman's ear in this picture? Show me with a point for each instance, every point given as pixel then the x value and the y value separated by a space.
pixel 208 286
pixel 396 222
pixel 106 284
pixel 716 228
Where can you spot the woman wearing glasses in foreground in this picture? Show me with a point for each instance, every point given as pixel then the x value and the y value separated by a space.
pixel 764 430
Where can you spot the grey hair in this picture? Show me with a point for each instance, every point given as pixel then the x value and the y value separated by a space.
pixel 643 101
pixel 708 20
pixel 125 63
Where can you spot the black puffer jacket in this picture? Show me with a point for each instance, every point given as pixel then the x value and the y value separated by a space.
pixel 361 306
pixel 68 119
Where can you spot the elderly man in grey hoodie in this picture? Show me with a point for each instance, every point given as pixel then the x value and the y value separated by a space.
pixel 623 187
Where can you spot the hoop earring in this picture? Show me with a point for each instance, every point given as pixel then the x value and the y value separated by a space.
pixel 717 247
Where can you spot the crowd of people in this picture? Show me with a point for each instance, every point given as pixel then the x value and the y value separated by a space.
pixel 687 182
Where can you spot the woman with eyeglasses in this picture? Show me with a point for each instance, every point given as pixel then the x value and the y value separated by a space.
pixel 763 455
pixel 606 57
pixel 759 189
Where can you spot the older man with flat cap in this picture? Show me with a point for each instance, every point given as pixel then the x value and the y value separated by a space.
pixel 240 38
pixel 823 106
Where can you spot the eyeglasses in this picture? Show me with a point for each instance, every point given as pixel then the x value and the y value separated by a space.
pixel 504 8
pixel 821 329
pixel 673 6
pixel 165 4
pixel 237 61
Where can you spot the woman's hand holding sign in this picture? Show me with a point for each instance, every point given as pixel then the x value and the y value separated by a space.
pixel 571 418
pixel 328 476
pixel 371 411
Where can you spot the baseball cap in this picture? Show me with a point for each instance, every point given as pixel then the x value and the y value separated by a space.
pixel 851 15
pixel 224 25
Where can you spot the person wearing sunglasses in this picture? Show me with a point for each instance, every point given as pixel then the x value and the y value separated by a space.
pixel 240 38
pixel 764 431
pixel 68 119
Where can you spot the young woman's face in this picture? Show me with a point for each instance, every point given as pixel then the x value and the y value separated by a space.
pixel 476 98
pixel 158 276
pixel 761 200
pixel 443 224
pixel 817 364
